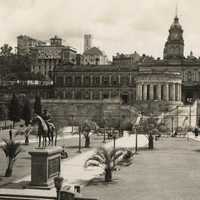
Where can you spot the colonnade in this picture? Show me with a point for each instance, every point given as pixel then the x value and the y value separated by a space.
pixel 157 91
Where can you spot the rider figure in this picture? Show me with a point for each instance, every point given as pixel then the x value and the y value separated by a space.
pixel 46 116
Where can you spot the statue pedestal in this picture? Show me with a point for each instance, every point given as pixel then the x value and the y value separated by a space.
pixel 45 165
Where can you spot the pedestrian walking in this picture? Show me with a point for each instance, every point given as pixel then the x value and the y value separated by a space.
pixel 10 134
pixel 196 132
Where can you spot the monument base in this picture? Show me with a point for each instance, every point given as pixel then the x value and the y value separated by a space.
pixel 45 165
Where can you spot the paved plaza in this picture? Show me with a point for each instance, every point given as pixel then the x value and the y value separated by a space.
pixel 170 172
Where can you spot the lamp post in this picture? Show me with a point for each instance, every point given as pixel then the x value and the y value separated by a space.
pixel 136 142
pixel 58 181
pixel 172 124
pixel 177 124
pixel 114 147
pixel 72 124
pixel 189 100
pixel 104 135
pixel 79 139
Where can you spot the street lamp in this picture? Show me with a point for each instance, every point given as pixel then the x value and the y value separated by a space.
pixel 114 147
pixel 172 124
pixel 177 118
pixel 189 100
pixel 58 181
pixel 104 135
pixel 79 140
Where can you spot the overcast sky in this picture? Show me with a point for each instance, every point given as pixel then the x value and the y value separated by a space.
pixel 116 25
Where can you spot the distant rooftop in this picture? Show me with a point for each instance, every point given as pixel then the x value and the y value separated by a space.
pixel 93 51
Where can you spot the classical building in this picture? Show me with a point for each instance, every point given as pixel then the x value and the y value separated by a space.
pixel 95 83
pixel 94 56
pixel 45 58
pixel 126 59
pixel 170 80
pixel 25 43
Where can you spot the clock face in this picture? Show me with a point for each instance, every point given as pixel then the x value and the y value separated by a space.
pixel 175 36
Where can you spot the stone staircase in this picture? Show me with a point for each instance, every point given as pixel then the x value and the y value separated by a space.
pixel 32 197
pixel 24 197
pixel 181 116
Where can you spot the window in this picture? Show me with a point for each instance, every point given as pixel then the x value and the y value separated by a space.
pixel 77 95
pixel 114 81
pixel 68 94
pixel 96 95
pixel 87 81
pixel 189 76
pixel 68 81
pixel 59 81
pixel 96 81
pixel 78 81
pixel 124 80
pixel 105 81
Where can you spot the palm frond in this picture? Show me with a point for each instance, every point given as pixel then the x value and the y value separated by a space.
pixel 11 148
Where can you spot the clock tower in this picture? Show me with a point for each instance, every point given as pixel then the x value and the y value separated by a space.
pixel 174 46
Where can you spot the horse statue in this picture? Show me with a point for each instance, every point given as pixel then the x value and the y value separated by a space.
pixel 45 130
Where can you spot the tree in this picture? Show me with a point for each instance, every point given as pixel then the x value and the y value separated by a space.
pixel 26 111
pixel 86 128
pixel 107 159
pixel 37 105
pixel 14 110
pixel 6 50
pixel 3 113
pixel 11 150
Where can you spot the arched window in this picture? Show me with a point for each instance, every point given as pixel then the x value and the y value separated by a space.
pixel 189 76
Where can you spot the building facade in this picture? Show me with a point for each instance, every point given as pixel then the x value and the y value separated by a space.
pixel 94 56
pixel 170 80
pixel 45 58
pixel 25 43
pixel 126 59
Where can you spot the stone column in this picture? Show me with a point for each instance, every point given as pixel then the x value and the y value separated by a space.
pixel 110 94
pixel 159 91
pixel 144 92
pixel 166 92
pixel 100 79
pixel 73 81
pixel 110 80
pixel 73 94
pixel 173 92
pixel 140 92
pixel 119 79
pixel 137 92
pixel 82 80
pixel 100 95
pixel 91 94
pixel 91 80
pixel 177 91
pixel 64 94
pixel 130 79
pixel 180 92
pixel 151 92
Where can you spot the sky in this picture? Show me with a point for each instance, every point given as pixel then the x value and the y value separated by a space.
pixel 122 26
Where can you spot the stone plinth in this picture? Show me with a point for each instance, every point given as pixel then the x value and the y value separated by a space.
pixel 45 165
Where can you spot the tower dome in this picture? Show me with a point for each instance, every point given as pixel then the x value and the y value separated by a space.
pixel 174 46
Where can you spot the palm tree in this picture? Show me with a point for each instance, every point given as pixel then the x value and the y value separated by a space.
pixel 86 127
pixel 107 159
pixel 11 150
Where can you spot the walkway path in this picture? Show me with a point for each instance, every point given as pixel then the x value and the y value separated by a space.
pixel 170 172
pixel 73 170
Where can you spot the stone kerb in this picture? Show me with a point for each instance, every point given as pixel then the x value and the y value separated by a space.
pixel 45 165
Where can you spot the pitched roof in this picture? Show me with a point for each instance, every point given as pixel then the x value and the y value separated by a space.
pixel 93 51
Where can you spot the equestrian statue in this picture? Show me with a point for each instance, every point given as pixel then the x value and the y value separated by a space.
pixel 45 129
